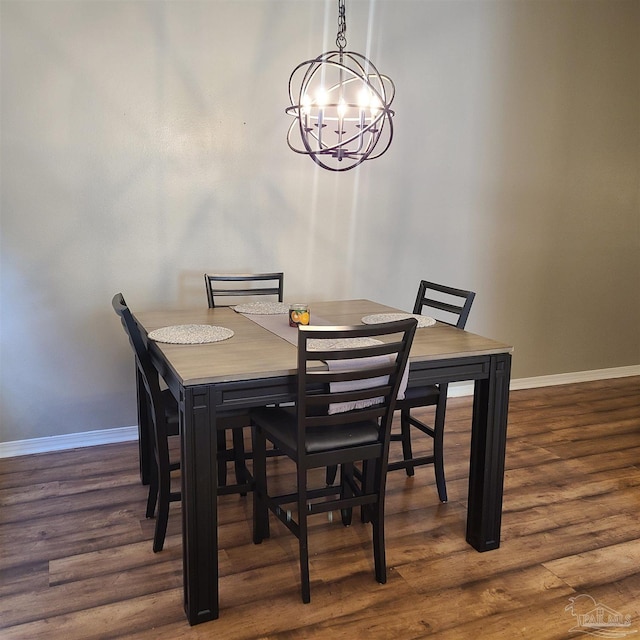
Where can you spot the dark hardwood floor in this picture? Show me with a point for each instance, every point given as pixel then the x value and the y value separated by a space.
pixel 76 558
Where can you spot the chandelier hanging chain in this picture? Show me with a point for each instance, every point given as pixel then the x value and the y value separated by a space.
pixel 341 38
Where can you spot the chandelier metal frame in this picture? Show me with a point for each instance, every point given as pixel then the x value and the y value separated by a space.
pixel 341 105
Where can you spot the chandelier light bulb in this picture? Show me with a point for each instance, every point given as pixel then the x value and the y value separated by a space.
pixel 321 97
pixel 342 108
pixel 364 98
pixel 306 105
pixel 376 106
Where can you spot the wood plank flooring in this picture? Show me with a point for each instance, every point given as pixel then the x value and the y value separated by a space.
pixel 76 559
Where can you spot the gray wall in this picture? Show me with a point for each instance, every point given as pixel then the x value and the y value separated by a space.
pixel 143 143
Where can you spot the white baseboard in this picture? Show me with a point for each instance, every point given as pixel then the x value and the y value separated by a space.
pixel 458 389
pixel 67 441
pixel 125 434
pixel 576 376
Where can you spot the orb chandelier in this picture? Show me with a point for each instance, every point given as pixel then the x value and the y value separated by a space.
pixel 341 107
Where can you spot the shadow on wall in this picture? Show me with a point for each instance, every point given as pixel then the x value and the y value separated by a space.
pixel 191 289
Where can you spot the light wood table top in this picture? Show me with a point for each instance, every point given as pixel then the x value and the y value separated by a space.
pixel 254 352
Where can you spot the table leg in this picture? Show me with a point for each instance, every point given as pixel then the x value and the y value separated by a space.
pixel 488 444
pixel 199 504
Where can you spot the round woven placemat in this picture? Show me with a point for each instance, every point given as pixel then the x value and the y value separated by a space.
pixel 190 334
pixel 262 308
pixel 379 318
pixel 319 344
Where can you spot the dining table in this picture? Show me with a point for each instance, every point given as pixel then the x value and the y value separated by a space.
pixel 257 366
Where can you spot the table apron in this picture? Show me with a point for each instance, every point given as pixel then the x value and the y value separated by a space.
pixel 254 393
pixel 442 372
pixel 265 391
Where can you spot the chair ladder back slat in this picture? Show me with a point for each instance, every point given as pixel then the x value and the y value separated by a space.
pixel 352 375
pixel 213 282
pixel 456 302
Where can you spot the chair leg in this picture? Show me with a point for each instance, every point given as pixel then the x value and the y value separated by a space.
pixel 161 527
pixel 405 430
pixel 222 462
pixel 152 497
pixel 438 449
pixel 303 544
pixel 239 457
pixel 164 492
pixel 332 471
pixel 367 484
pixel 260 509
pixel 379 554
pixel 346 473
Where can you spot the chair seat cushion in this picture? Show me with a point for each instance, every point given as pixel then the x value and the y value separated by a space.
pixel 281 423
pixel 424 396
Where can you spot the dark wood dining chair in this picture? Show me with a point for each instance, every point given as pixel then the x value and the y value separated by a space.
pixel 224 286
pixel 162 409
pixel 451 306
pixel 229 288
pixel 342 415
